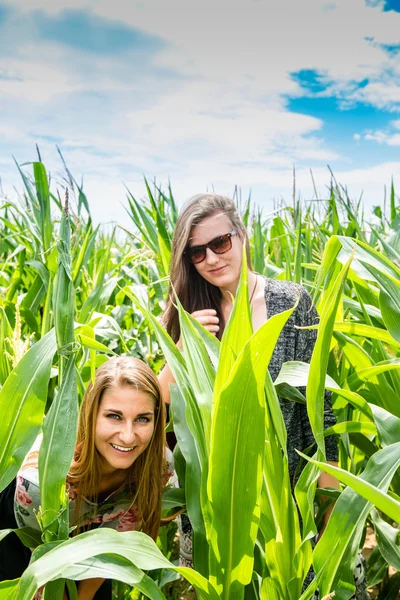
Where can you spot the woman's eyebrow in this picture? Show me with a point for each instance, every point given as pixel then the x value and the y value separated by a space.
pixel 119 412
pixel 205 243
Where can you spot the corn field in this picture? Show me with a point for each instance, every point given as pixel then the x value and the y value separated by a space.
pixel 73 295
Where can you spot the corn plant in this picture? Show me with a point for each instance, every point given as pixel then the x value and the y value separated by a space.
pixel 110 284
pixel 222 482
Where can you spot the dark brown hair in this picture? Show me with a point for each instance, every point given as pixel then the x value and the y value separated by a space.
pixel 193 291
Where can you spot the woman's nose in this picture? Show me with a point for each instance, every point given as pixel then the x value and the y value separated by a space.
pixel 128 434
pixel 211 257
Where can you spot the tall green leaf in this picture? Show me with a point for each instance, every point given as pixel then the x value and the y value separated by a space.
pixel 339 543
pixel 56 453
pixel 22 402
pixel 236 457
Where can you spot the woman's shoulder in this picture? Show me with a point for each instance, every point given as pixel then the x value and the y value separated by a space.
pixel 29 469
pixel 281 295
pixel 27 493
pixel 27 498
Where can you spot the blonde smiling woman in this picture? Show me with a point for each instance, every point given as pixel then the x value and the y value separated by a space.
pixel 118 472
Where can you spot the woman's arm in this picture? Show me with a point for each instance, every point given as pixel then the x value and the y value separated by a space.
pixel 87 588
pixel 305 342
pixel 326 480
pixel 164 379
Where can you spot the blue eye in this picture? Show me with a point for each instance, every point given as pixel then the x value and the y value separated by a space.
pixel 144 420
pixel 113 416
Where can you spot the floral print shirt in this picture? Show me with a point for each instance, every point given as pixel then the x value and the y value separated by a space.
pixel 116 511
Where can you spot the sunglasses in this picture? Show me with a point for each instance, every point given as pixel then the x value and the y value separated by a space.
pixel 219 245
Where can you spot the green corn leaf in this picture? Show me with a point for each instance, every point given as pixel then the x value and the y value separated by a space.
pixel 368 331
pixel 381 500
pixel 41 269
pixel 388 425
pixel 339 543
pixel 43 196
pixel 237 332
pixel 194 476
pixel 315 393
pixel 22 401
pixel 351 427
pixel 144 223
pixel 377 567
pixel 64 297
pixel 98 298
pixel 133 546
pixel 30 537
pixel 331 252
pixel 319 360
pixel 370 373
pixel 366 256
pixel 296 374
pixel 35 295
pixel 270 590
pixel 211 342
pixel 389 301
pixel 93 344
pixel 236 456
pixel 115 567
pixel 179 370
pixel 172 498
pixel 6 334
pixel 200 371
pixel 84 252
pixel 393 211
pixel 279 523
pixel 7 589
pixel 164 240
pixel 258 246
pixel 56 452
pixel 388 538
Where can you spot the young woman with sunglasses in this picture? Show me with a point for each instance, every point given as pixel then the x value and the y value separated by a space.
pixel 205 271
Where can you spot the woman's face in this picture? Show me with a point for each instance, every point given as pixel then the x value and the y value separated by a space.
pixel 222 270
pixel 124 427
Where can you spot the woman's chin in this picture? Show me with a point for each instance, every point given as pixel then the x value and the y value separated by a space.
pixel 223 280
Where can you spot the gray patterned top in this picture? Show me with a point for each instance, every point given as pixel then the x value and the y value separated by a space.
pixel 296 344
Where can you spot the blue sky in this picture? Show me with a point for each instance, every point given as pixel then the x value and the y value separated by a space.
pixel 209 95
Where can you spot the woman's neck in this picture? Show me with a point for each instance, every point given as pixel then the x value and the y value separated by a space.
pixel 229 292
pixel 111 482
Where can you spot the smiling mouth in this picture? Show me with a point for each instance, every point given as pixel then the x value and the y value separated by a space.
pixel 217 270
pixel 122 449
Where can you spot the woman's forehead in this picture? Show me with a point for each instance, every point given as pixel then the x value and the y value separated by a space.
pixel 126 396
pixel 209 228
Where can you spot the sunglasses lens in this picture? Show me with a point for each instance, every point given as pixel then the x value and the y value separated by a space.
pixel 196 254
pixel 221 244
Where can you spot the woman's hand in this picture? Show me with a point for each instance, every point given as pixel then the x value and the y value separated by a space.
pixel 208 318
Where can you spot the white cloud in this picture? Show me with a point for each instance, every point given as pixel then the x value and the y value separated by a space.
pixel 256 44
pixel 388 136
pixel 379 94
pixel 223 119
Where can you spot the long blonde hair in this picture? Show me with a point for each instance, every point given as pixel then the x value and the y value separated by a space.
pixel 193 291
pixel 145 476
